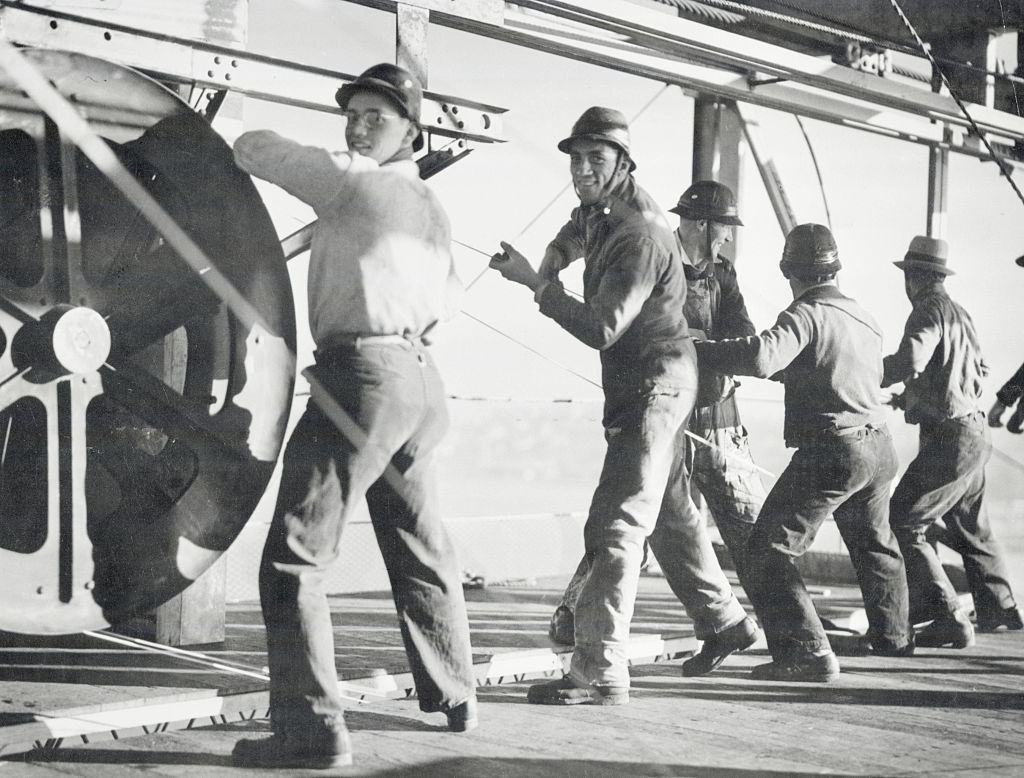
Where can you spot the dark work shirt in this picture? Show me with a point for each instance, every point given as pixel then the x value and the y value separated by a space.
pixel 830 350
pixel 939 359
pixel 633 290
pixel 715 306
pixel 1012 389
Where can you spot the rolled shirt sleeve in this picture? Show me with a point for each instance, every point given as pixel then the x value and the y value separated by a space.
pixel 921 336
pixel 761 355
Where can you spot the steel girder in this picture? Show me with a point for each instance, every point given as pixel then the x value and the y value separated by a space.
pixel 209 66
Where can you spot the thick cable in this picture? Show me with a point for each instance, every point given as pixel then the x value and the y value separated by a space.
pixel 204 660
pixel 847 32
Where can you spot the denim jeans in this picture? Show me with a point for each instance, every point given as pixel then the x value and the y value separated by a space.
pixel 845 474
pixel 643 494
pixel 395 395
pixel 732 489
pixel 947 481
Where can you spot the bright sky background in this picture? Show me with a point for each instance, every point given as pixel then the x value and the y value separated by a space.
pixel 876 189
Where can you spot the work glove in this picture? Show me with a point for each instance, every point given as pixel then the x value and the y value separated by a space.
pixel 995 414
pixel 1016 421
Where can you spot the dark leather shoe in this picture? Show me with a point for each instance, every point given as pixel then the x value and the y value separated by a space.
pixel 716 648
pixel 562 629
pixel 953 630
pixel 888 648
pixel 806 669
pixel 281 751
pixel 565 692
pixel 1008 618
pixel 462 717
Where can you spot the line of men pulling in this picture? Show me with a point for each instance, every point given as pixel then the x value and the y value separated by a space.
pixel 381 277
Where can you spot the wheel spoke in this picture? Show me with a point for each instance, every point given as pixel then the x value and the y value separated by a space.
pixel 167 411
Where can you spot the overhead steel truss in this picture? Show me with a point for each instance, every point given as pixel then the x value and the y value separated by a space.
pixel 702 59
pixel 204 65
pixel 617 34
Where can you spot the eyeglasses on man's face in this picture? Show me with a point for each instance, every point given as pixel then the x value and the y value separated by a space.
pixel 373 118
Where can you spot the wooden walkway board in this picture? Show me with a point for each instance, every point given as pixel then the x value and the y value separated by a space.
pixel 939 713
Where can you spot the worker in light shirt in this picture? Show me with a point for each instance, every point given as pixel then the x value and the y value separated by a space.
pixel 380 278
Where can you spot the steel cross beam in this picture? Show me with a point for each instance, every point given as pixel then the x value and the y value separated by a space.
pixel 650 43
pixel 206 65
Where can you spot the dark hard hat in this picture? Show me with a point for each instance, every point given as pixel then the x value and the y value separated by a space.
pixel 708 201
pixel 397 84
pixel 603 124
pixel 811 248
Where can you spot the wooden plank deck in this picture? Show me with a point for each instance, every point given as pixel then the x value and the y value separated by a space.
pixel 941 712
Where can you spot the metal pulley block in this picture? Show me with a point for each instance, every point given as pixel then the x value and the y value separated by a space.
pixel 139 420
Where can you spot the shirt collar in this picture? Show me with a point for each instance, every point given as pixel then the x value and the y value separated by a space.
pixel 690 269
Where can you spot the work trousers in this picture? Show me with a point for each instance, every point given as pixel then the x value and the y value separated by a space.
pixel 846 474
pixel 643 494
pixel 726 478
pixel 947 481
pixel 394 394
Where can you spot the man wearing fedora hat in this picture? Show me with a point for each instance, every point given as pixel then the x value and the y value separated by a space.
pixel 939 362
pixel 380 277
pixel 829 352
pixel 634 289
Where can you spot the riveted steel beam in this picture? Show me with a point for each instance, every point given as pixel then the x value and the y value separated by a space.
pixel 209 66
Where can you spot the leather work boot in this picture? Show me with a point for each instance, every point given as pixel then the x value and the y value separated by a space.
pixel 565 692
pixel 953 630
pixel 462 717
pixel 886 648
pixel 716 648
pixel 282 751
pixel 806 669
pixel 1008 618
pixel 562 629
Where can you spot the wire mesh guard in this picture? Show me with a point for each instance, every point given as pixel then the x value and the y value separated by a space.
pixel 139 420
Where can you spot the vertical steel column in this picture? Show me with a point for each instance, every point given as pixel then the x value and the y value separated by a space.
pixel 411 25
pixel 717 133
pixel 938 182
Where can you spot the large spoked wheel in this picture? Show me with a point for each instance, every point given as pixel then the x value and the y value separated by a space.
pixel 139 421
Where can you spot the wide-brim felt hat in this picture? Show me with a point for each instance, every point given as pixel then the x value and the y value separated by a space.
pixel 926 253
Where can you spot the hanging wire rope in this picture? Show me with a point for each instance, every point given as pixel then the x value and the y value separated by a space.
pixel 484 253
pixel 1004 167
pixel 817 168
pixel 693 436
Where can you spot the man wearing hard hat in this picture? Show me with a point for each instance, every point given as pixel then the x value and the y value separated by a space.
pixel 829 351
pixel 940 364
pixel 722 469
pixel 380 278
pixel 634 289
